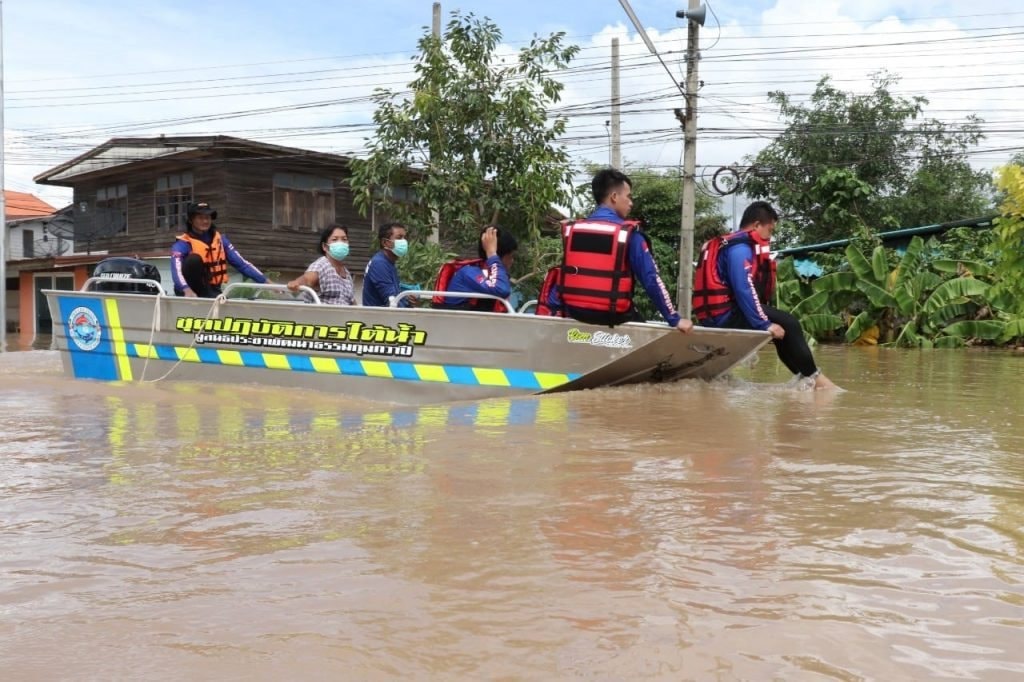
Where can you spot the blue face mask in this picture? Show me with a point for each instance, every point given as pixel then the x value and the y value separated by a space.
pixel 338 250
pixel 400 248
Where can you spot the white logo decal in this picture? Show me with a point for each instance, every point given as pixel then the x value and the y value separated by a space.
pixel 83 328
pixel 604 339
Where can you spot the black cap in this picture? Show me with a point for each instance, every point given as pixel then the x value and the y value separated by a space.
pixel 201 208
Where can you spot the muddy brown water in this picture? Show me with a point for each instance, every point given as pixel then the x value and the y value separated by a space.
pixel 738 530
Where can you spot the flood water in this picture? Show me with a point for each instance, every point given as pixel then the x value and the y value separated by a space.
pixel 737 530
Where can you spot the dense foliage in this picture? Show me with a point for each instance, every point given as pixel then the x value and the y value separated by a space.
pixel 932 293
pixel 849 164
pixel 471 141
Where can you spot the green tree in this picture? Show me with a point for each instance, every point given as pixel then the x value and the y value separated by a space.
pixel 847 164
pixel 473 139
pixel 657 202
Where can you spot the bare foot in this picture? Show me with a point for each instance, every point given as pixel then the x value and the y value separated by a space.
pixel 822 382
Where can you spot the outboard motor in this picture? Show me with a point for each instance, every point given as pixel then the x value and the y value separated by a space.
pixel 118 274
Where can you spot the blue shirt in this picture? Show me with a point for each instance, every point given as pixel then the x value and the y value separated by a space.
pixel 381 282
pixel 645 270
pixel 180 249
pixel 736 268
pixel 492 279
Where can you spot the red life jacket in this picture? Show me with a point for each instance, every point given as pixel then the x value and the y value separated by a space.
pixel 711 294
pixel 596 282
pixel 544 297
pixel 444 278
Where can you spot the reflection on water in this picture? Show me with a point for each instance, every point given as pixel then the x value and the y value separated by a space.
pixel 737 530
pixel 18 342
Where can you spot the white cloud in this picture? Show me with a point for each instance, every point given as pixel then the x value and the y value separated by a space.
pixel 168 65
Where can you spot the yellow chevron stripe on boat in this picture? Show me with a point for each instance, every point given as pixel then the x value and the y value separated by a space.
pixel 124 367
pixel 375 368
pixel 325 365
pixel 431 373
pixel 231 357
pixel 276 361
pixel 144 350
pixel 550 380
pixel 383 369
pixel 491 377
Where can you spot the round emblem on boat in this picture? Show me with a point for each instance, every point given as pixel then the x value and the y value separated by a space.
pixel 83 328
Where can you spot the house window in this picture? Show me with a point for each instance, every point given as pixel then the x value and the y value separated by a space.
pixel 171 199
pixel 403 194
pixel 303 202
pixel 111 210
pixel 397 193
pixel 28 243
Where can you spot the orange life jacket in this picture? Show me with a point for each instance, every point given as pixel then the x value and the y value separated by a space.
pixel 712 296
pixel 213 257
pixel 596 282
pixel 444 278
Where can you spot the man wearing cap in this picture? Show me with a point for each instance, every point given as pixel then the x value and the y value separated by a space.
pixel 200 257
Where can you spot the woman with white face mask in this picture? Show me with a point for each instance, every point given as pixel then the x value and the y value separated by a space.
pixel 327 275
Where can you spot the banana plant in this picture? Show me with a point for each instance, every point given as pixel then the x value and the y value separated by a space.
pixel 812 309
pixel 956 299
pixel 909 305
pixel 1013 331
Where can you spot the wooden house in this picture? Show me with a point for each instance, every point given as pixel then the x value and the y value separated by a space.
pixel 130 197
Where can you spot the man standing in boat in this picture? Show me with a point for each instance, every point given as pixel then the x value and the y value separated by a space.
pixel 200 256
pixel 735 279
pixel 602 256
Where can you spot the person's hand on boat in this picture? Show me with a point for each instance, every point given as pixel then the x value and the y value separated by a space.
pixel 776 331
pixel 489 241
pixel 685 325
pixel 190 294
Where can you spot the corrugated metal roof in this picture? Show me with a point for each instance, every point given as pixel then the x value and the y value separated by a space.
pixel 111 155
pixel 120 151
pixel 984 222
pixel 20 205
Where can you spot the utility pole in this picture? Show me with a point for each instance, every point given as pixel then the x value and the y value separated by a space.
pixel 616 142
pixel 435 230
pixel 685 285
pixel 735 191
pixel 3 203
pixel 608 132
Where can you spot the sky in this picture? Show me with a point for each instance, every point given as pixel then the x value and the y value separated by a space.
pixel 300 73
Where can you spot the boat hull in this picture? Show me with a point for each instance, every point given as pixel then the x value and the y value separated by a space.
pixel 409 356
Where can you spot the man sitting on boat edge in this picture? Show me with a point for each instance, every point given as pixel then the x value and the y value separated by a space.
pixel 487 274
pixel 734 281
pixel 602 255
pixel 200 257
